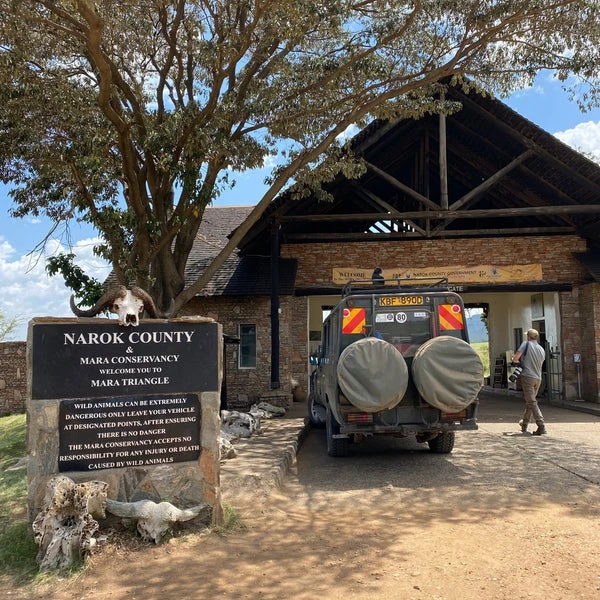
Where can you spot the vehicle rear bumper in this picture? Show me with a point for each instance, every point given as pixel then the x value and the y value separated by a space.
pixel 407 429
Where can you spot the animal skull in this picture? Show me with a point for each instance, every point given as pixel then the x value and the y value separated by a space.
pixel 154 520
pixel 127 304
pixel 128 307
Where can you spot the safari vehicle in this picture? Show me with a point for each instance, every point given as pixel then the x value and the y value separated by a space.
pixel 395 360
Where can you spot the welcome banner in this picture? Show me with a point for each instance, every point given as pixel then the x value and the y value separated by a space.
pixel 454 273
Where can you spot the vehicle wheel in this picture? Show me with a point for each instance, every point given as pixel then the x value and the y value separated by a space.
pixel 316 413
pixel 443 443
pixel 335 446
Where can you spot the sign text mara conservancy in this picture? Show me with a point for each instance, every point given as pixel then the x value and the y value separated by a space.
pixel 122 337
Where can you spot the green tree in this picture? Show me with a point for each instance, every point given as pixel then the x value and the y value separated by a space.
pixel 132 114
pixel 8 326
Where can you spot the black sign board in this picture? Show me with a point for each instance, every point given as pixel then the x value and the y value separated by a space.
pixel 111 433
pixel 81 360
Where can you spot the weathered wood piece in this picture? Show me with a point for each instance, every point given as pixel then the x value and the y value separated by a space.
pixel 65 527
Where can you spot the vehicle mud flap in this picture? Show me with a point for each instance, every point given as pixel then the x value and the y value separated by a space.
pixel 448 373
pixel 336 446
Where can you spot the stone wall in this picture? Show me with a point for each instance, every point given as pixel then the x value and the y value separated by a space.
pixel 13 377
pixel 231 312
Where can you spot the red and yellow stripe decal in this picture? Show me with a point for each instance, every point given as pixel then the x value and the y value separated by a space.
pixel 451 317
pixel 354 320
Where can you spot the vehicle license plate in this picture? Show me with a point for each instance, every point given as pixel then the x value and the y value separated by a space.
pixel 400 300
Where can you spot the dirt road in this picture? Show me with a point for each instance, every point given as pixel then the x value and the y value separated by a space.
pixel 503 516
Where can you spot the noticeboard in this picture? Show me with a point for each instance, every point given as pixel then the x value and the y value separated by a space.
pixel 111 433
pixel 84 360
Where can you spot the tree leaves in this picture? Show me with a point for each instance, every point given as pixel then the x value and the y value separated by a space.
pixel 131 114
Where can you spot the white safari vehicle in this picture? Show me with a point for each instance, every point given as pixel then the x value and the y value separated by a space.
pixel 395 360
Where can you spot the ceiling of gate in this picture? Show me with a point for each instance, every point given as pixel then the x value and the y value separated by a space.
pixel 505 176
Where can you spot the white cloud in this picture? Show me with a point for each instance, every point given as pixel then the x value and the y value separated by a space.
pixel 584 137
pixel 269 161
pixel 533 90
pixel 348 133
pixel 27 291
pixel 6 250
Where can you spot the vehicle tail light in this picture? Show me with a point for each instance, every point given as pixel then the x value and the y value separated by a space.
pixel 360 418
pixel 455 416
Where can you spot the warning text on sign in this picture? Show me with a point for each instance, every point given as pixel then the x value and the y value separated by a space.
pixel 112 433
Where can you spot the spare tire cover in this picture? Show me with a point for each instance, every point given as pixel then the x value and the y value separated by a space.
pixel 372 374
pixel 448 373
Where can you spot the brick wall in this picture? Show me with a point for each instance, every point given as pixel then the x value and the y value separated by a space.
pixel 587 343
pixel 555 254
pixel 13 377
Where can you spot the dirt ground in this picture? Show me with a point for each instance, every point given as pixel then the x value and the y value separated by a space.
pixel 504 516
pixel 295 554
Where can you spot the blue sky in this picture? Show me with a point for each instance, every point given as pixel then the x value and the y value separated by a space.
pixel 27 291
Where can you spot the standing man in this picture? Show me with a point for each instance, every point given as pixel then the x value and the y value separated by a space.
pixel 532 357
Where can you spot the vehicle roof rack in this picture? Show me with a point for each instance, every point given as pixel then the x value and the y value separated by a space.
pixel 391 286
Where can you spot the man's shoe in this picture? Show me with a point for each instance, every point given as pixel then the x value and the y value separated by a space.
pixel 541 430
pixel 523 426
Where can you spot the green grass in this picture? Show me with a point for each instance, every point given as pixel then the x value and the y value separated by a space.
pixel 483 349
pixel 17 548
pixel 232 521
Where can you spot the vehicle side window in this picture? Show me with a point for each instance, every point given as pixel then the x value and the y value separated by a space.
pixel 326 339
pixel 330 338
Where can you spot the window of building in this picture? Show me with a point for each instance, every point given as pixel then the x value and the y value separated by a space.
pixel 247 355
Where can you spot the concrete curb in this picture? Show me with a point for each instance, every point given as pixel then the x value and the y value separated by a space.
pixel 287 458
pixel 263 461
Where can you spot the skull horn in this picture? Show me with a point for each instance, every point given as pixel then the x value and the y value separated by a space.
pixel 102 304
pixel 145 509
pixel 145 297
pixel 154 520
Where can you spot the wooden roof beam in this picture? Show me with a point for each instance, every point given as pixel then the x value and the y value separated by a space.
pixel 368 194
pixel 492 213
pixel 410 235
pixel 483 142
pixel 486 185
pixel 561 166
pixel 401 186
pixel 492 181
